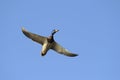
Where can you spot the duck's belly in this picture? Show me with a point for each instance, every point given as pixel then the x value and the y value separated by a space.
pixel 45 48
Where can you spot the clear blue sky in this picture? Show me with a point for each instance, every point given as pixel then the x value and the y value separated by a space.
pixel 90 28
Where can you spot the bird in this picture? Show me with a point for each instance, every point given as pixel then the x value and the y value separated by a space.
pixel 48 43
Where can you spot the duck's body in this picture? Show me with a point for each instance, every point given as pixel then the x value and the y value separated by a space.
pixel 46 46
pixel 48 43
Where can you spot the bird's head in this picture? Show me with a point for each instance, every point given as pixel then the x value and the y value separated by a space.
pixel 54 31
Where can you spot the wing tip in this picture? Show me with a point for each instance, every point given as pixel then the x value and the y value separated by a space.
pixel 74 55
pixel 71 55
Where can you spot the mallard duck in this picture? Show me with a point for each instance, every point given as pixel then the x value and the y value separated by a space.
pixel 48 43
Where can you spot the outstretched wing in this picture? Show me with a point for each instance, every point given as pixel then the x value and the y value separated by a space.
pixel 58 48
pixel 34 37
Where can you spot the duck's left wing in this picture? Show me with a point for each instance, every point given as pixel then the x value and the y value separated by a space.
pixel 37 38
pixel 58 48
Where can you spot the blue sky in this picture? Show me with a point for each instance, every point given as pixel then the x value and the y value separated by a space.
pixel 90 28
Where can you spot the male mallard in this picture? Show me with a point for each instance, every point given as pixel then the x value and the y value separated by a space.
pixel 48 43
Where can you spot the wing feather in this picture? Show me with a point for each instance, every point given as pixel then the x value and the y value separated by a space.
pixel 34 37
pixel 58 48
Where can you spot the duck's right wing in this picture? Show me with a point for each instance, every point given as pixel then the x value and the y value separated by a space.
pixel 58 48
pixel 34 37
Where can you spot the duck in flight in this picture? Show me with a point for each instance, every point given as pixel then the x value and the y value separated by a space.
pixel 48 43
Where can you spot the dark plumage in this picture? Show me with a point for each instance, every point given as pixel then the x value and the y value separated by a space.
pixel 48 43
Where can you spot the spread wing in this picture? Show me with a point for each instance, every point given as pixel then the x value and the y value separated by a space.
pixel 58 48
pixel 34 37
